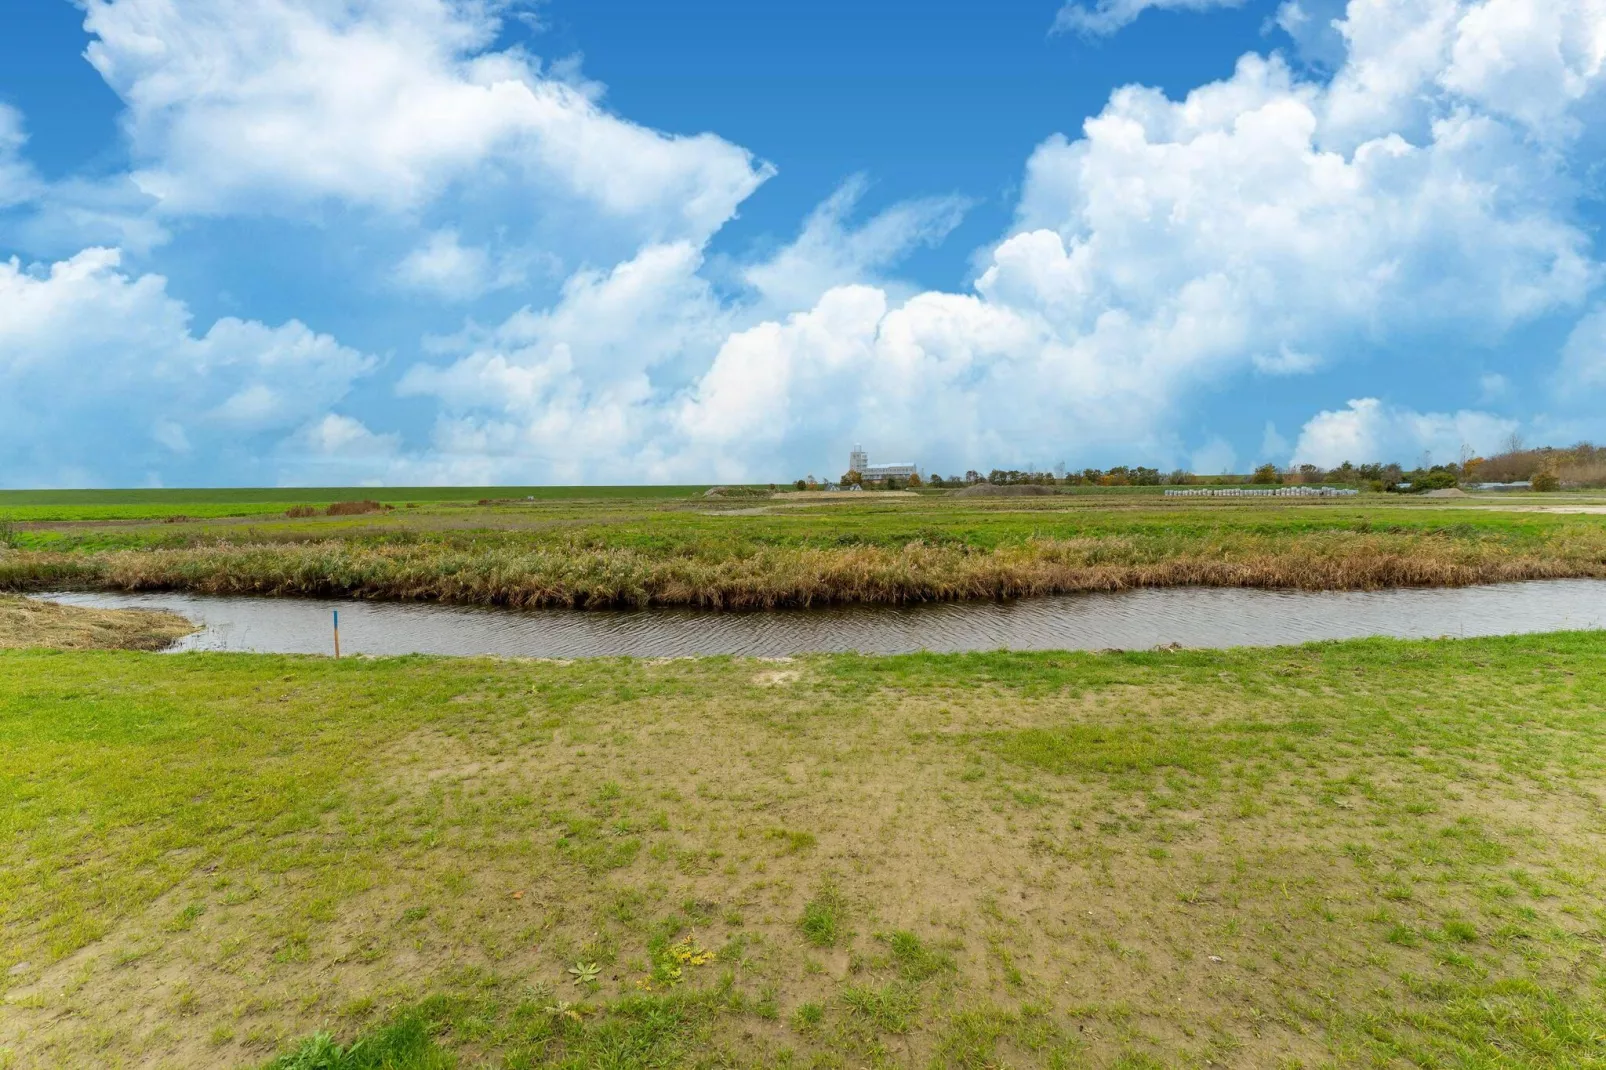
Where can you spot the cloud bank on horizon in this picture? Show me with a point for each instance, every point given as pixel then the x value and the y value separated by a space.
pixel 1395 180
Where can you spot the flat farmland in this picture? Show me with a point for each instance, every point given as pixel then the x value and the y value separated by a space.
pixel 670 546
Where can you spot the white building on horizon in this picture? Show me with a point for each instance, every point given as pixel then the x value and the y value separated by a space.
pixel 859 461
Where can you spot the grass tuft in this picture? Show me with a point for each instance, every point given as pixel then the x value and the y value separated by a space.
pixel 888 1009
pixel 402 1045
pixel 822 916
pixel 915 960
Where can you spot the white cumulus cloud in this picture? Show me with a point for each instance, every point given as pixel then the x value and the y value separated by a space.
pixel 253 105
pixel 1414 62
pixel 1174 244
pixel 1423 198
pixel 597 386
pixel 1255 224
pixel 1367 430
pixel 1532 61
pixel 102 379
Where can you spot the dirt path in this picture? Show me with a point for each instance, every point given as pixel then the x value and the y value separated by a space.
pixel 1592 508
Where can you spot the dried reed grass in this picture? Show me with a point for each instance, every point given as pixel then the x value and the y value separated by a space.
pixel 1591 474
pixel 27 623
pixel 355 508
pixel 301 512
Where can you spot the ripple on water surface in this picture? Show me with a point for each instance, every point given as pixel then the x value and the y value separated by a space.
pixel 1189 616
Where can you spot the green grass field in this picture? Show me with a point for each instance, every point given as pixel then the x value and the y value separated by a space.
pixel 212 503
pixel 161 502
pixel 1361 854
pixel 678 548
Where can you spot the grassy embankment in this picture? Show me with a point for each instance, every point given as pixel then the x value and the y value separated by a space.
pixel 1359 854
pixel 621 550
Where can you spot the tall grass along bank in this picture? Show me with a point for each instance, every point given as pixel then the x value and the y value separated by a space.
pixel 505 573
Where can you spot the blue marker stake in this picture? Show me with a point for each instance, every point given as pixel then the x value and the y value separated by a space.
pixel 337 633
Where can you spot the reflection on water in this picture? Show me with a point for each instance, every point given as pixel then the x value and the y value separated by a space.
pixel 1190 616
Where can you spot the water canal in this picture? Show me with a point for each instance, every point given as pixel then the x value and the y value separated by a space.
pixel 1136 619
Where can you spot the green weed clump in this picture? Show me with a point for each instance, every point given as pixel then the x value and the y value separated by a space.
pixel 887 1008
pixel 634 1033
pixel 822 917
pixel 403 1045
pixel 916 961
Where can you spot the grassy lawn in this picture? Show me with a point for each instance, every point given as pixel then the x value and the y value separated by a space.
pixel 1362 854
pixel 680 550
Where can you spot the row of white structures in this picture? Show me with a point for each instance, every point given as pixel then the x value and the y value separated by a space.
pixel 1261 492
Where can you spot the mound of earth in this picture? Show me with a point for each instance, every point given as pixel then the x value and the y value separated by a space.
pixel 990 490
pixel 735 492
pixel 1447 492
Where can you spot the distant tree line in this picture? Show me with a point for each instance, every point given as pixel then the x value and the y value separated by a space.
pixel 1546 467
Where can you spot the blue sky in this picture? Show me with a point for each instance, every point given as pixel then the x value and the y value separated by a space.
pixel 314 241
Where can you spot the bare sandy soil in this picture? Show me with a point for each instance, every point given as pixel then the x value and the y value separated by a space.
pixel 841 495
pixel 1531 506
